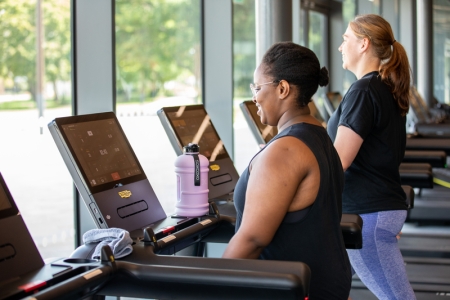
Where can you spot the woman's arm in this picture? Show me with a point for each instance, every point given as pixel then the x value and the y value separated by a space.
pixel 347 144
pixel 275 177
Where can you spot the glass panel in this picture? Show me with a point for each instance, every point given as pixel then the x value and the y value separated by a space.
pixel 317 34
pixel 317 43
pixel 368 7
pixel 349 13
pixel 29 160
pixel 157 65
pixel 302 29
pixel 244 64
pixel 441 48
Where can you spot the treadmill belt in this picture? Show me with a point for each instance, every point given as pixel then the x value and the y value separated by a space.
pixel 429 278
pixel 365 294
pixel 442 177
pixel 420 245
pixel 426 144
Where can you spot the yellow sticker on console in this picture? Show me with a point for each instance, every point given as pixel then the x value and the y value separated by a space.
pixel 125 194
pixel 215 167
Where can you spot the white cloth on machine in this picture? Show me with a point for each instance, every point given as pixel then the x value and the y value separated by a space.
pixel 117 239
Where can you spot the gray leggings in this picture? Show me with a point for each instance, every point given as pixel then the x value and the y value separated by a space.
pixel 379 264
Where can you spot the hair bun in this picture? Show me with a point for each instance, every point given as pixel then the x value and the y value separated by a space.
pixel 324 79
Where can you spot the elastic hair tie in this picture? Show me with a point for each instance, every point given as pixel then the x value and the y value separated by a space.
pixel 393 42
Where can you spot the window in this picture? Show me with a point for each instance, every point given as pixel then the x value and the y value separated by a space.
pixel 349 13
pixel 157 64
pixel 318 44
pixel 244 60
pixel 441 48
pixel 29 160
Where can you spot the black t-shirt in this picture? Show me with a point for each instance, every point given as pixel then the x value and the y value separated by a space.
pixel 312 235
pixel 372 182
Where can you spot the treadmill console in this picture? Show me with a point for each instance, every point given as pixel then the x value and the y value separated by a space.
pixel 191 124
pixel 106 171
pixel 18 252
pixel 263 133
pixel 105 157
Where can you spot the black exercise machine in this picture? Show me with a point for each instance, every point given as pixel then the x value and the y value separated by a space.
pixel 415 141
pixel 427 261
pixel 420 148
pixel 425 123
pixel 182 123
pixel 419 176
pixel 24 273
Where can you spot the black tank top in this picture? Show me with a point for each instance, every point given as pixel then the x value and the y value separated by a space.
pixel 312 235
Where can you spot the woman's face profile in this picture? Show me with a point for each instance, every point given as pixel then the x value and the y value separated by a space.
pixel 265 89
pixel 349 48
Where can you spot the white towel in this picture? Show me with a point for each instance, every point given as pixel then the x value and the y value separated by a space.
pixel 117 239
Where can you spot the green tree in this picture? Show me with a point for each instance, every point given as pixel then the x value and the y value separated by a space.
pixel 57 44
pixel 156 41
pixel 244 46
pixel 17 41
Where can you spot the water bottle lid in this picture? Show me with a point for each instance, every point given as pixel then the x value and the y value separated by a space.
pixel 191 148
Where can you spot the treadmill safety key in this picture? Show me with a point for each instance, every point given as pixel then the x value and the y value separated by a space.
pixel 168 229
pixel 32 286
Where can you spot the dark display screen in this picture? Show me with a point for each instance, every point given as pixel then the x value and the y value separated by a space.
pixel 4 202
pixel 7 205
pixel 267 132
pixel 102 151
pixel 193 125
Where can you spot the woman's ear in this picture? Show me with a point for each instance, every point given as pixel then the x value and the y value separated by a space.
pixel 365 44
pixel 284 89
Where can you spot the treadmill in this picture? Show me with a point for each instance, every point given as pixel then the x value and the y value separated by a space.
pixel 191 124
pixel 424 253
pixel 413 174
pixel 431 200
pixel 166 277
pixel 111 181
pixel 428 278
pixel 414 143
pixel 23 272
pixel 184 124
pixel 424 123
pixel 436 247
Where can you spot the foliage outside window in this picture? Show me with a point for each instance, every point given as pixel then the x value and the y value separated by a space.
pixel 18 52
pixel 244 64
pixel 348 14
pixel 157 49
pixel 244 46
pixel 30 163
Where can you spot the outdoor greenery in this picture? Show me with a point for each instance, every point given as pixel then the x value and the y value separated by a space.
pixel 244 32
pixel 18 45
pixel 158 49
pixel 157 43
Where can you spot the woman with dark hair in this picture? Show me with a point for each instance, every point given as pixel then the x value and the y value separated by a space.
pixel 288 200
pixel 368 130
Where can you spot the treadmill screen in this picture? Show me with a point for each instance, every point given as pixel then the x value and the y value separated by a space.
pixel 267 132
pixel 102 152
pixel 7 205
pixel 4 202
pixel 193 125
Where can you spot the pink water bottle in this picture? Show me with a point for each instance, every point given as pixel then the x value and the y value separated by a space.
pixel 192 182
